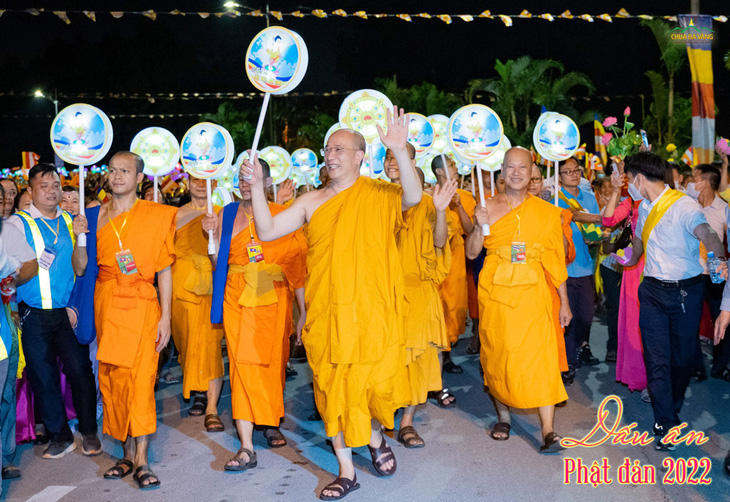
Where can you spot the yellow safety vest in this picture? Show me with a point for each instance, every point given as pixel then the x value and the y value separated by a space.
pixel 44 277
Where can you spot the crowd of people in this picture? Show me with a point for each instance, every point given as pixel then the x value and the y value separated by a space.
pixel 375 279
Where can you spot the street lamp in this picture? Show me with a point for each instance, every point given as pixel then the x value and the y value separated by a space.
pixel 39 94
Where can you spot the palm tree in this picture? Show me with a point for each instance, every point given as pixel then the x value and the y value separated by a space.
pixel 674 57
pixel 525 84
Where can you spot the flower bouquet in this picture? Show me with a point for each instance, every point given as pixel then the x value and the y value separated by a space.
pixel 622 141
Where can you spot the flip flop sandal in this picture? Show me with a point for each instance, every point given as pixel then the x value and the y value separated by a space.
pixel 273 434
pixel 252 461
pixel 200 403
pixel 381 455
pixel 552 443
pixel 453 368
pixel 441 396
pixel 409 438
pixel 141 478
pixel 342 486
pixel 501 428
pixel 121 469
pixel 213 423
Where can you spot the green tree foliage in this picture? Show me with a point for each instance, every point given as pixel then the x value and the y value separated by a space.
pixel 523 86
pixel 239 122
pixel 422 98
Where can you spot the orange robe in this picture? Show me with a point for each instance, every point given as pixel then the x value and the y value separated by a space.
pixel 127 313
pixel 197 340
pixel 424 268
pixel 518 334
pixel 454 289
pixel 567 217
pixel 255 322
pixel 354 297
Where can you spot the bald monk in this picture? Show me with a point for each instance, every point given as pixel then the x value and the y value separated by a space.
pixel 251 296
pixel 134 241
pixel 454 289
pixel 426 260
pixel 354 292
pixel 196 338
pixel 536 188
pixel 518 335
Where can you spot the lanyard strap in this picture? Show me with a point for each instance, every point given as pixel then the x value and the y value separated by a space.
pixel 519 220
pixel 118 234
pixel 55 233
pixel 250 222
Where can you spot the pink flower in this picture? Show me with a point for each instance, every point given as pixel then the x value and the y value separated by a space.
pixel 606 138
pixel 627 112
pixel 609 121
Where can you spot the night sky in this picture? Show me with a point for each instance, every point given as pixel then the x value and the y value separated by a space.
pixel 188 54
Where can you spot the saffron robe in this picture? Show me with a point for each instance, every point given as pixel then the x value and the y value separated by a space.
pixel 519 351
pixel 424 268
pixel 354 297
pixel 257 321
pixel 567 217
pixel 454 289
pixel 197 340
pixel 127 313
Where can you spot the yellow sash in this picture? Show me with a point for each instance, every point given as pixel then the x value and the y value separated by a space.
pixel 657 213
pixel 260 278
pixel 591 232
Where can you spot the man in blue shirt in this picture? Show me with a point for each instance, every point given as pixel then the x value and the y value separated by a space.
pixel 581 285
pixel 47 331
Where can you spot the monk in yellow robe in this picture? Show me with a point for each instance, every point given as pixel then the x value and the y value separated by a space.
pixel 134 241
pixel 354 292
pixel 197 340
pixel 251 293
pixel 426 260
pixel 525 250
pixel 535 188
pixel 454 289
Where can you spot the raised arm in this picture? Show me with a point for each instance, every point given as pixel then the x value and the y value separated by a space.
pixel 475 239
pixel 271 228
pixel 79 257
pixel 441 199
pixel 396 141
pixel 614 212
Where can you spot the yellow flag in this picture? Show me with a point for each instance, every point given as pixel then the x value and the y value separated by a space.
pixel 361 14
pixel 277 14
pixel 506 20
pixel 525 14
pixel 380 16
pixel 319 13
pixel 256 13
pixel 586 17
pixel 623 13
pixel 404 17
pixel 466 18
pixel 150 14
pixel 425 15
pixel 340 12
pixel 176 12
pixel 90 14
pixel 548 17
pixel 203 15
pixel 606 17
pixel 486 14
pixel 62 16
pixel 645 16
pixel 445 18
pixel 297 13
pixel 566 15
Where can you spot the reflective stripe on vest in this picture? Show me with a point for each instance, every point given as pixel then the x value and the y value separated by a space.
pixel 44 278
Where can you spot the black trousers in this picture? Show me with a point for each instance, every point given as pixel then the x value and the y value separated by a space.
pixel 612 289
pixel 669 337
pixel 713 298
pixel 47 337
pixel 581 297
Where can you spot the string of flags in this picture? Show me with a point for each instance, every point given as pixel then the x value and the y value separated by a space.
pixel 231 12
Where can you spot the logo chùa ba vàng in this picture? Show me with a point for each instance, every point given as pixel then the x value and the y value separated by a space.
pixel 692 33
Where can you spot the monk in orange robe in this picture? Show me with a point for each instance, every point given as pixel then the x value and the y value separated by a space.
pixel 251 290
pixel 426 260
pixel 535 188
pixel 454 289
pixel 525 250
pixel 354 292
pixel 134 241
pixel 196 338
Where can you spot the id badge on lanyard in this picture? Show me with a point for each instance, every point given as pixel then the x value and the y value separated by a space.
pixel 126 263
pixel 519 253
pixel 46 259
pixel 255 251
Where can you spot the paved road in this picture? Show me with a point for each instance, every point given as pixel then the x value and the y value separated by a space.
pixel 460 461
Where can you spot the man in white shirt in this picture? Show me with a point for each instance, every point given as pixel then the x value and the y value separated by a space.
pixel 669 231
pixel 703 187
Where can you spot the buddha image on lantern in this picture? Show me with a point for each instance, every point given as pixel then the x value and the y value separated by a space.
pixel 79 134
pixel 558 136
pixel 420 134
pixel 204 150
pixel 273 59
pixel 476 133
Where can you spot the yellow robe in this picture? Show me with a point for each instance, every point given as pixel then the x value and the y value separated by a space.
pixel 454 289
pixel 519 352
pixel 197 340
pixel 354 297
pixel 424 268
pixel 127 313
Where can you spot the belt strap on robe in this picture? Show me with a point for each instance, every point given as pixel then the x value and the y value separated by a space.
pixel 260 278
pixel 200 280
pixel 129 289
pixel 509 275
